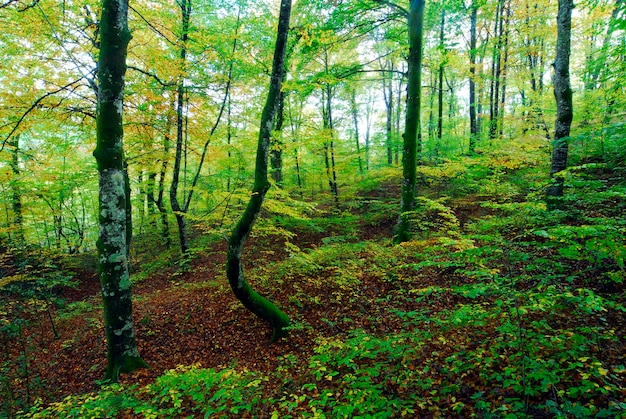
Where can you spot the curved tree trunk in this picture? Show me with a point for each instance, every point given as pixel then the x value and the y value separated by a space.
pixel 563 96
pixel 115 227
pixel 254 302
pixel 412 120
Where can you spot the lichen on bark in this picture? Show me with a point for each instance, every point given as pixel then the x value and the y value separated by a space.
pixel 115 227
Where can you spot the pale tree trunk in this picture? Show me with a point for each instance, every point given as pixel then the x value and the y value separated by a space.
pixel 412 121
pixel 115 228
pixel 294 123
pixel 563 96
pixel 388 98
pixel 355 121
pixel 254 302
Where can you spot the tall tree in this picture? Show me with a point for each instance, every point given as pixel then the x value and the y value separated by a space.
pixel 18 219
pixel 254 302
pixel 115 228
pixel 412 120
pixel 472 79
pixel 179 210
pixel 564 106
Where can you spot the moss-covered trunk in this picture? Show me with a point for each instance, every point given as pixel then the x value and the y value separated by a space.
pixel 115 228
pixel 254 302
pixel 412 120
pixel 563 96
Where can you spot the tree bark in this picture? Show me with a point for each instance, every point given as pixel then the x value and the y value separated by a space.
pixel 355 121
pixel 496 69
pixel 185 7
pixel 472 81
pixel 563 97
pixel 115 226
pixel 254 302
pixel 442 47
pixel 388 98
pixel 16 201
pixel 412 120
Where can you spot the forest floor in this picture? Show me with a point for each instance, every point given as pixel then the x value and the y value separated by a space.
pixel 182 317
pixel 189 317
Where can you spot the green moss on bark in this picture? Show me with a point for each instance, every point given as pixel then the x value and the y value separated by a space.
pixel 114 195
pixel 254 302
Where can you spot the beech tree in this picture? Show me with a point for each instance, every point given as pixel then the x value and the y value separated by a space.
pixel 412 120
pixel 564 106
pixel 254 302
pixel 114 197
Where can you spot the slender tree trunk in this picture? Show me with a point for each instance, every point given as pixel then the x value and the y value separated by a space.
pixel 16 201
pixel 368 127
pixel 563 97
pixel 329 145
pixel 505 64
pixel 472 80
pixel 295 130
pixel 440 81
pixel 412 121
pixel 115 226
pixel 496 71
pixel 396 133
pixel 165 227
pixel 355 121
pixel 388 97
pixel 179 212
pixel 254 302
pixel 276 152
pixel 229 140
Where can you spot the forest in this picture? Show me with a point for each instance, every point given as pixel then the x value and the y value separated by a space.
pixel 312 209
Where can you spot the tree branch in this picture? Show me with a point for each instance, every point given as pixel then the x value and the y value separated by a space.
pixel 32 107
pixel 154 76
pixel 399 8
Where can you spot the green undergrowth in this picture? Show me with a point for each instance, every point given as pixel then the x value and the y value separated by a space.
pixel 519 313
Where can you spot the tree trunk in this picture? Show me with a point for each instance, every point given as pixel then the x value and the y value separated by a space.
pixel 504 71
pixel 412 121
pixel 16 201
pixel 388 97
pixel 355 121
pixel 329 145
pixel 440 81
pixel 472 80
pixel 254 302
pixel 276 152
pixel 563 96
pixel 165 226
pixel 115 228
pixel 179 212
pixel 494 95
